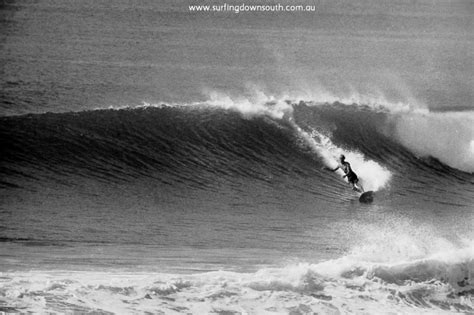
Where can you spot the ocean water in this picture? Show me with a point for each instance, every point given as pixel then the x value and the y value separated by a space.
pixel 157 160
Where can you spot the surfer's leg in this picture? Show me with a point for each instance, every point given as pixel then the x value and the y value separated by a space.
pixel 360 186
pixel 354 186
pixel 354 180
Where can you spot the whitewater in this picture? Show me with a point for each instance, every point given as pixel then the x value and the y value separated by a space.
pixel 346 285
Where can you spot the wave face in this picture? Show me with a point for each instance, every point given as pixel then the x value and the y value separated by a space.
pixel 168 144
pixel 197 144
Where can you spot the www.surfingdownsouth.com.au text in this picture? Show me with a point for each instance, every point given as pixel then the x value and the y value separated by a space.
pixel 244 7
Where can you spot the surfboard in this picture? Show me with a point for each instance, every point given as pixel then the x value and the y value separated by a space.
pixel 367 197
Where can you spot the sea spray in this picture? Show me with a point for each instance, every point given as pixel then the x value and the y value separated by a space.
pixel 447 136
pixel 373 176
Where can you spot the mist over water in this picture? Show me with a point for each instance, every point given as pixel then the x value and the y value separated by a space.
pixel 432 134
pixel 155 159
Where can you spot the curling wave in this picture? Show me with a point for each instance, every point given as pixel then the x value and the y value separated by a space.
pixel 228 138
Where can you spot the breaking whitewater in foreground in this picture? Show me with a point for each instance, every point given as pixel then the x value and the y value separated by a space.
pixel 435 285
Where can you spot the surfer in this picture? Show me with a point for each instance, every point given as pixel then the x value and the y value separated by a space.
pixel 351 176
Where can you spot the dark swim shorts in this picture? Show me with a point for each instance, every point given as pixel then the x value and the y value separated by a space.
pixel 352 177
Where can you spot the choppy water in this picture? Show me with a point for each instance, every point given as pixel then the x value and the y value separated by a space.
pixel 155 160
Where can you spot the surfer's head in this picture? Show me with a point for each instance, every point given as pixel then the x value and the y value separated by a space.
pixel 342 157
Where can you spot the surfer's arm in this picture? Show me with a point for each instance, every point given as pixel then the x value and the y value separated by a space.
pixel 337 167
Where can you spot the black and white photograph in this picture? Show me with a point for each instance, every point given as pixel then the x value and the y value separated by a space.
pixel 237 157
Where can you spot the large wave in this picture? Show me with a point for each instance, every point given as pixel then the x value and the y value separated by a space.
pixel 227 136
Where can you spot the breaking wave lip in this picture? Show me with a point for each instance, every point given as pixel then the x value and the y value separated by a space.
pixel 447 136
pixel 442 283
pixel 375 176
pixel 282 110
